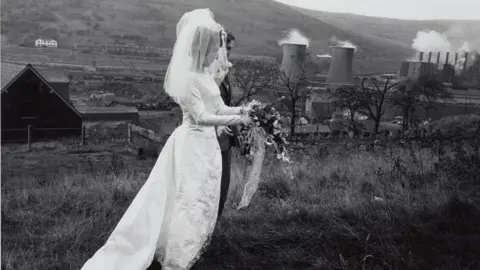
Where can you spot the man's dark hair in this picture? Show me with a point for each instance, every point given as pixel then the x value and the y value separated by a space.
pixel 230 36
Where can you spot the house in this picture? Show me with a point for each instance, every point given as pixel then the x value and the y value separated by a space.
pixel 29 99
pixel 51 43
pixel 319 105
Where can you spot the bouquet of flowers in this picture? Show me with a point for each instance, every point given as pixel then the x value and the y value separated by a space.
pixel 267 130
pixel 266 118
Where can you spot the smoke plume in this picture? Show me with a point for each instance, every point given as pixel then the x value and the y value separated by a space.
pixel 294 36
pixel 465 48
pixel 431 41
pixel 335 42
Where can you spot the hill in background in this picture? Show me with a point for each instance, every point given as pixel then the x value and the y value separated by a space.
pixel 403 32
pixel 257 24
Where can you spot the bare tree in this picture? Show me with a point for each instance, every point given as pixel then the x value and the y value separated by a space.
pixel 405 97
pixel 430 91
pixel 348 97
pixel 425 92
pixel 295 89
pixel 253 76
pixel 373 95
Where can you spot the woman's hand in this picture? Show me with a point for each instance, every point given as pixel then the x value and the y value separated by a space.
pixel 244 109
pixel 246 119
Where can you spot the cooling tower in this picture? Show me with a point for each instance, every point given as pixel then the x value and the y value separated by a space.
pixel 293 59
pixel 341 66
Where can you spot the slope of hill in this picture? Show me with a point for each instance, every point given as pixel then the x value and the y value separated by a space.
pixel 257 24
pixel 401 32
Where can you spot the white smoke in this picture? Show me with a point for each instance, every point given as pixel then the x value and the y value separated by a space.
pixel 335 42
pixel 294 36
pixel 432 41
pixel 465 48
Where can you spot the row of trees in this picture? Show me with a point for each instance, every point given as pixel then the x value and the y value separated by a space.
pixel 372 96
pixel 369 97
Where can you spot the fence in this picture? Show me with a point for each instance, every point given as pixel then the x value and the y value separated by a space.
pixel 140 141
pixel 143 141
pixel 80 136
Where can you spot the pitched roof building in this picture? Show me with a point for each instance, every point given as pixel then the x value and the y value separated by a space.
pixel 29 99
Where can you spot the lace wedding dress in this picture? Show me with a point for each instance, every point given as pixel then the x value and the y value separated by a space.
pixel 174 213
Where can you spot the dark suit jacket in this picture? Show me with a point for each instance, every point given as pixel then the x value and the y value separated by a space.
pixel 226 92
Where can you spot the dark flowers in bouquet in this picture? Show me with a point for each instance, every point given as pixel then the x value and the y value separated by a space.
pixel 266 118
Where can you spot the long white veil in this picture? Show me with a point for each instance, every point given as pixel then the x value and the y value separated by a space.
pixel 198 35
pixel 198 39
pixel 257 140
pixel 220 67
pixel 191 16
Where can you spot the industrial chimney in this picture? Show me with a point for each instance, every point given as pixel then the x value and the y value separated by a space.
pixel 429 57
pixel 446 58
pixel 465 62
pixel 420 56
pixel 293 59
pixel 477 61
pixel 341 66
pixel 438 58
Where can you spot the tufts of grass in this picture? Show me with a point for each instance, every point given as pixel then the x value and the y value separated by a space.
pixel 395 208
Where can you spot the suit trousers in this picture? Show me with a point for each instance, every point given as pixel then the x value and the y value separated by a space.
pixel 225 182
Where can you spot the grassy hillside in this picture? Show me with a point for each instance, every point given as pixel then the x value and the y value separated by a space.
pixel 258 25
pixel 400 32
pixel 345 209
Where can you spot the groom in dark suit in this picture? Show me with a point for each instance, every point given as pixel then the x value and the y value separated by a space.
pixel 228 137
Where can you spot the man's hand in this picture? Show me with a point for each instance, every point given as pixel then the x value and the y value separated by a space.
pixel 223 131
pixel 240 140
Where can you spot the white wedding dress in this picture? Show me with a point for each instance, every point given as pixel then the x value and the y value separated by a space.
pixel 174 213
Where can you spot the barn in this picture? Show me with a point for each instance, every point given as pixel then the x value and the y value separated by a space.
pixel 30 99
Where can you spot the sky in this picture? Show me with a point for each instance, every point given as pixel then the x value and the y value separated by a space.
pixel 399 9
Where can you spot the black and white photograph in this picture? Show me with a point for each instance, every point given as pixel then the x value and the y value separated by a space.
pixel 240 134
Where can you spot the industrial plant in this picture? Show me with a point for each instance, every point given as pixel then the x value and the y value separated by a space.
pixel 460 75
pixel 462 70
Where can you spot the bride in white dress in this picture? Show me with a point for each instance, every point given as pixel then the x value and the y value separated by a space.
pixel 173 215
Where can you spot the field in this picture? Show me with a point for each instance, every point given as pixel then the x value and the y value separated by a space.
pixel 390 207
pixel 77 63
pixel 76 60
